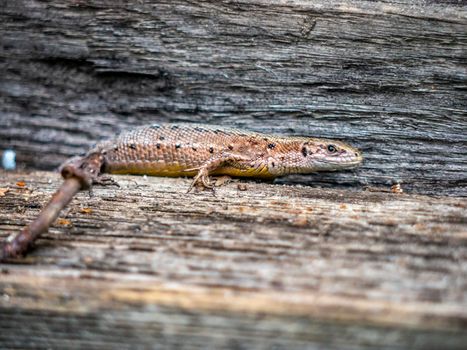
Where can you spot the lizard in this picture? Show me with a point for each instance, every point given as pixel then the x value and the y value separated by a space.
pixel 194 150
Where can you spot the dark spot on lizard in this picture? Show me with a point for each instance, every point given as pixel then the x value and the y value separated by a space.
pixel 174 127
pixel 177 145
pixel 304 151
pixel 162 138
pixel 194 148
pixel 273 164
pixel 271 145
pixel 199 129
pixel 132 146
pixel 230 147
pixel 155 126
pixel 215 131
pixel 158 145
pixel 211 150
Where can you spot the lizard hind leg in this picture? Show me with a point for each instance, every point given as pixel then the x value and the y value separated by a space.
pixel 105 180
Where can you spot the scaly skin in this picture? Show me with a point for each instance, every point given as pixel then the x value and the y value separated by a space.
pixel 186 150
pixel 202 150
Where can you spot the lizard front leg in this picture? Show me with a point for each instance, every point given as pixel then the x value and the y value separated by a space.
pixel 202 177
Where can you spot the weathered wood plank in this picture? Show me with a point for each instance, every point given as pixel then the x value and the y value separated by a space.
pixel 386 76
pixel 287 266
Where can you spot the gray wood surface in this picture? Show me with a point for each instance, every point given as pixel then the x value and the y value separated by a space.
pixel 387 76
pixel 275 266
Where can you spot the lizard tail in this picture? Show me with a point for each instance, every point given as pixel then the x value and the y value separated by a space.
pixel 79 174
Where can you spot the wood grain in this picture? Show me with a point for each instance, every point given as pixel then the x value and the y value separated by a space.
pixel 386 76
pixel 289 267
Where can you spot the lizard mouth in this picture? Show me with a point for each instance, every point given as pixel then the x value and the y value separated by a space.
pixel 345 162
pixel 351 164
pixel 353 161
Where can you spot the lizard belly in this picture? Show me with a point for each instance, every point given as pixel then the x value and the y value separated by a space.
pixel 261 172
pixel 175 170
pixel 148 168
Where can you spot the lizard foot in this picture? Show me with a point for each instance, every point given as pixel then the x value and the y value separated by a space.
pixel 102 180
pixel 202 177
pixel 105 180
pixel 201 180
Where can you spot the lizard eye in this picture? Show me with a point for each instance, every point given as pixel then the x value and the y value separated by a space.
pixel 332 149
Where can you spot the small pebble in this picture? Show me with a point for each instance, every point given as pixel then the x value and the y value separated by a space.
pixel 242 187
pixel 9 160
pixel 397 189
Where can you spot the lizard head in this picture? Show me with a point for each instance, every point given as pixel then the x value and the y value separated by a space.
pixel 328 155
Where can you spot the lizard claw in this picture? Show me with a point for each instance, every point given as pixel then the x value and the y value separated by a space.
pixel 202 177
pixel 202 180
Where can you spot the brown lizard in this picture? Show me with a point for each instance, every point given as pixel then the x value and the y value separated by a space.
pixel 187 150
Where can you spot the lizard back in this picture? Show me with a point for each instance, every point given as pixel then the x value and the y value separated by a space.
pixel 171 149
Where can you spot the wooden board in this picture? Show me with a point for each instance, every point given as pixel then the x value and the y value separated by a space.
pixel 275 266
pixel 387 76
